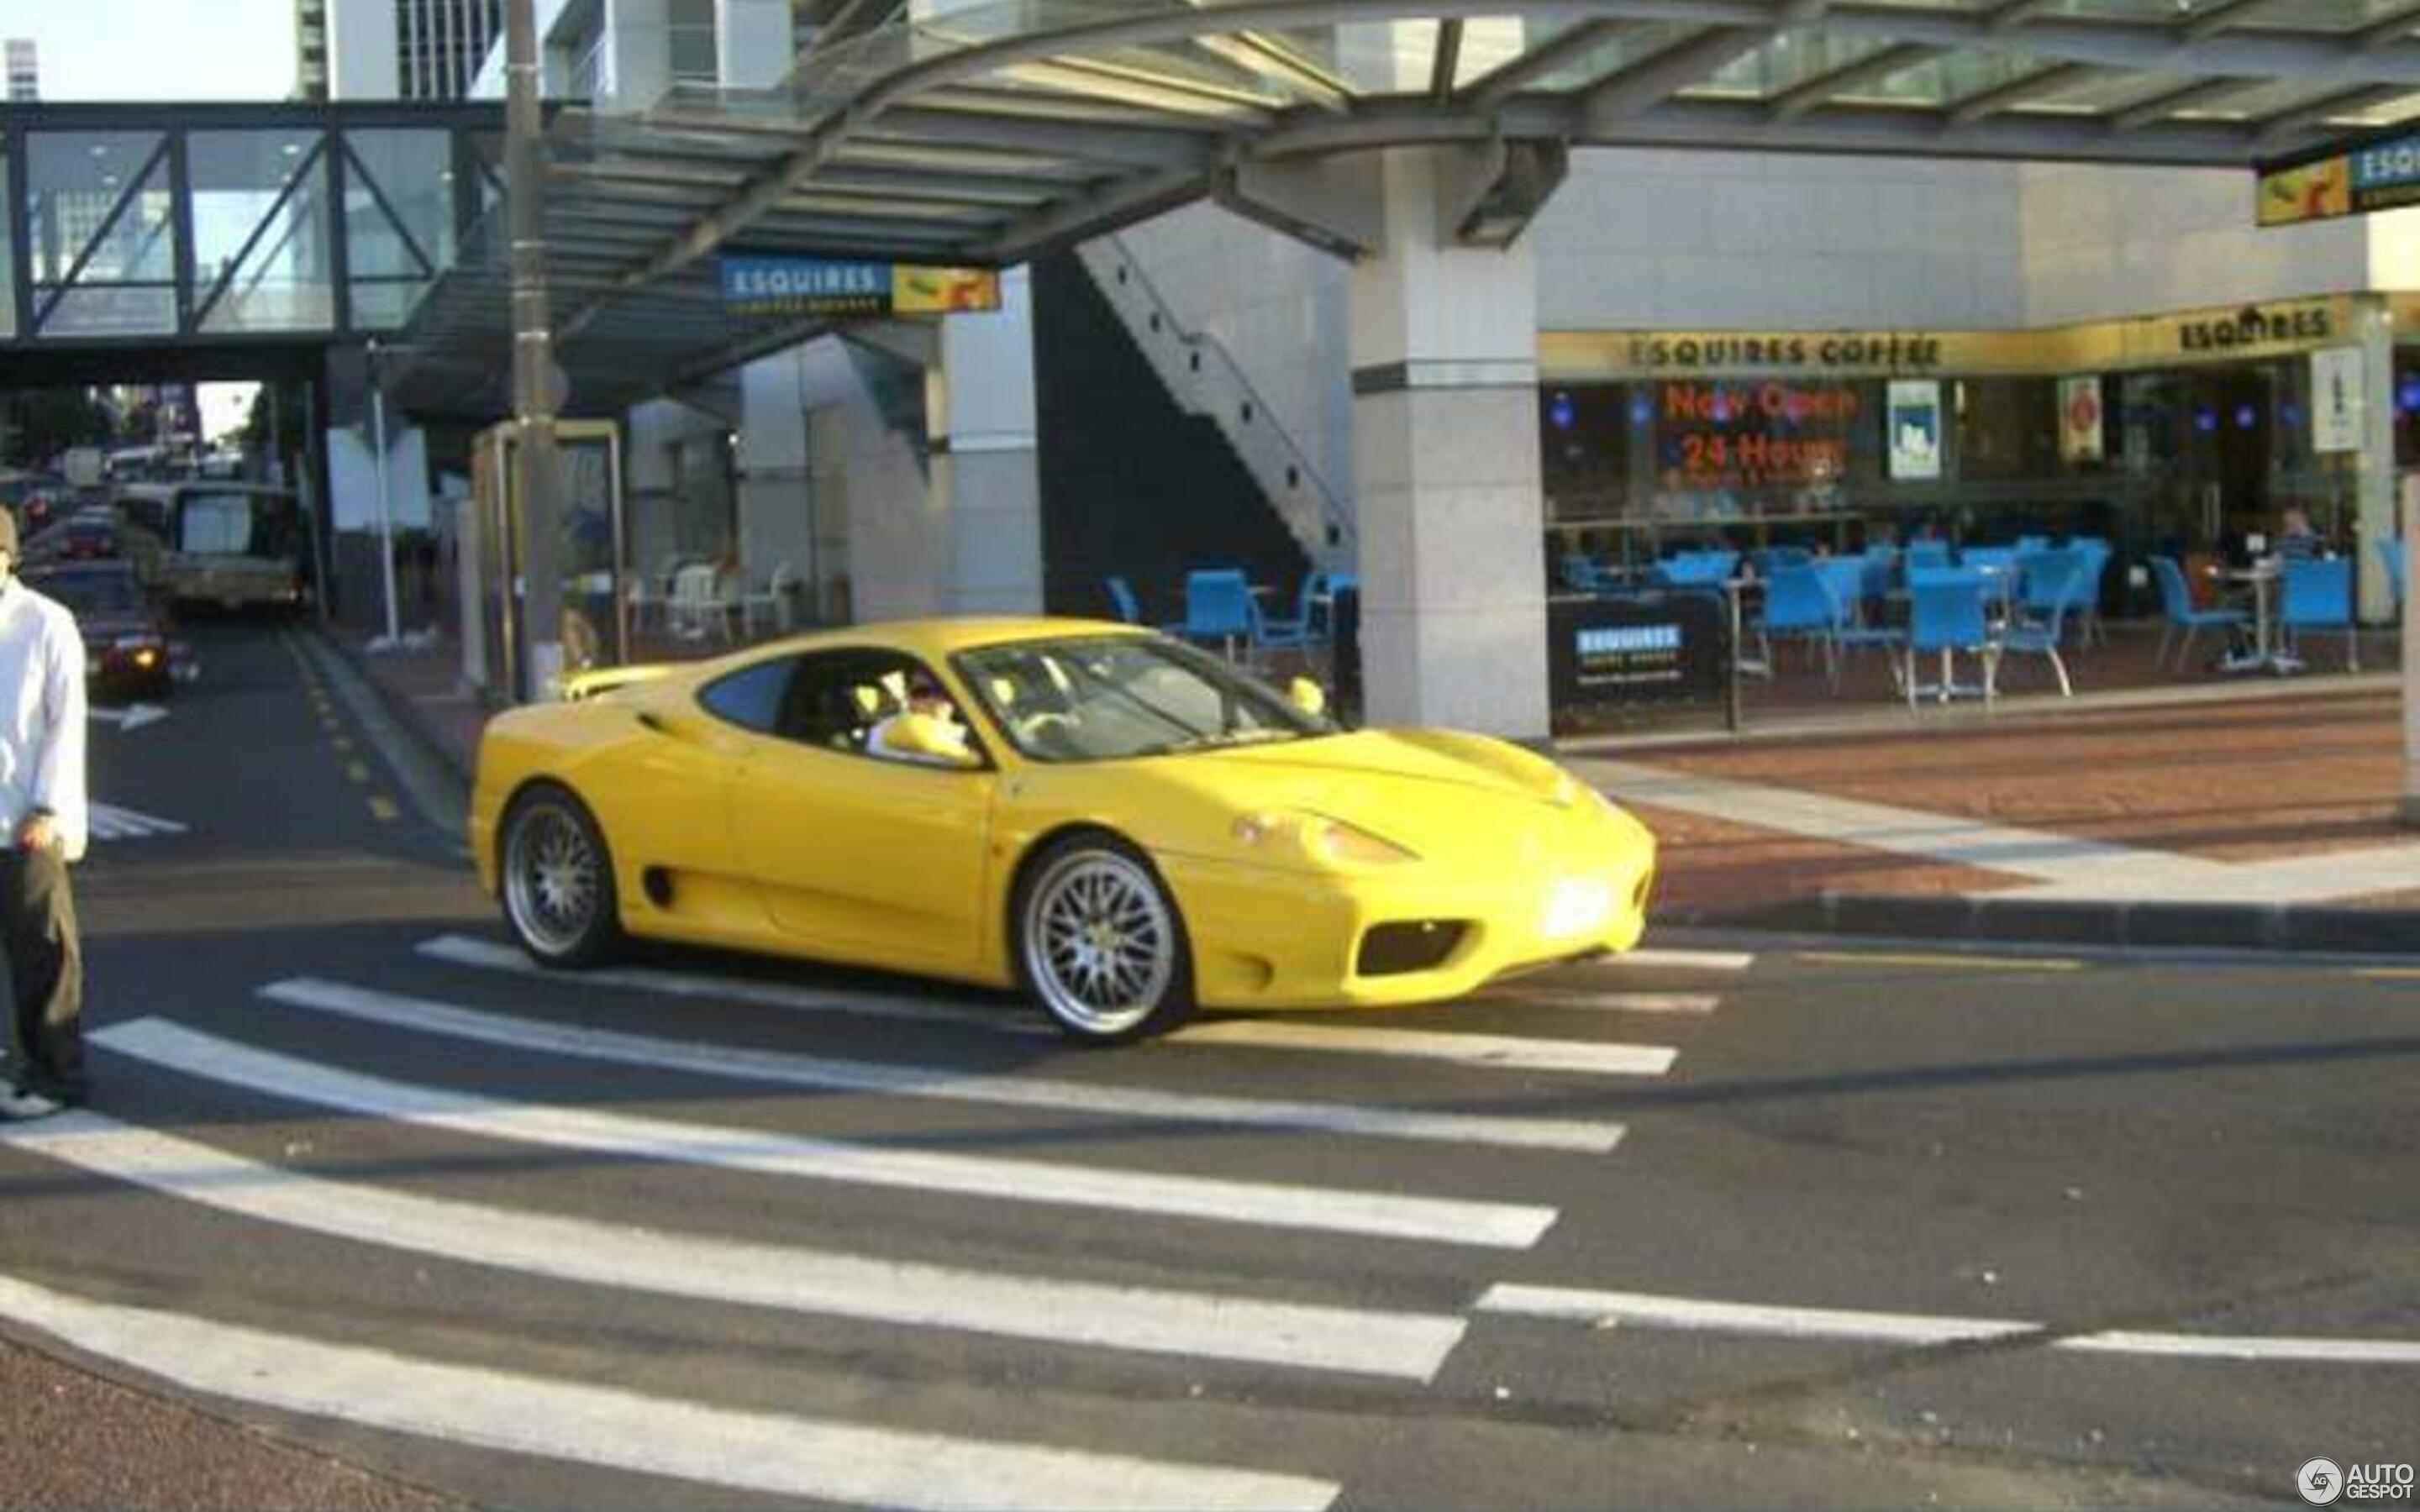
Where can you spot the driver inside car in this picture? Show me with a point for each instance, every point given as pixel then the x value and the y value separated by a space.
pixel 923 727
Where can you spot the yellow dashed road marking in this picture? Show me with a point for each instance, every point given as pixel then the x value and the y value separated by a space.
pixel 382 808
pixel 2390 973
pixel 358 772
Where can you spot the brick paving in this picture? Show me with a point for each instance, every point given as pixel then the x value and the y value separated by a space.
pixel 2313 765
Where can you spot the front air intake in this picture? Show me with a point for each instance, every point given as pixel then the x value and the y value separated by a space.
pixel 1423 945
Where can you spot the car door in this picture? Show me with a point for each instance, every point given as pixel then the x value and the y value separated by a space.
pixel 859 858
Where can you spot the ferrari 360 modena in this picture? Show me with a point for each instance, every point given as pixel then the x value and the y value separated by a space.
pixel 1125 826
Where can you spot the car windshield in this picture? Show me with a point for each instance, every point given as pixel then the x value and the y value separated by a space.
pixel 92 592
pixel 1108 697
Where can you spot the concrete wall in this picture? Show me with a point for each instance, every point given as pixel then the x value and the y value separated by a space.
pixel 753 38
pixel 776 520
pixel 1659 239
pixel 984 471
pixel 362 59
pixel 2104 242
pixel 897 540
pixel 1280 308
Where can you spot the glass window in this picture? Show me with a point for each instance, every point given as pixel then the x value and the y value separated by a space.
pixel 262 257
pixel 398 220
pixel 838 699
pixel 1110 698
pixel 98 207
pixel 215 525
pixel 751 697
pixel 690 41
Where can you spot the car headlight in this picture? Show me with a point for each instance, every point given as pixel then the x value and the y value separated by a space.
pixel 1320 839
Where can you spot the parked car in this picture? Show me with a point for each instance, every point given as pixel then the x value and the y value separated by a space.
pixel 127 643
pixel 1125 826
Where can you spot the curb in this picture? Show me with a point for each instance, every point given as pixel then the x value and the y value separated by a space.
pixel 1982 919
pixel 399 707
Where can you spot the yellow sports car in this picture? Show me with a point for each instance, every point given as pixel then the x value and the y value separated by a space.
pixel 1122 824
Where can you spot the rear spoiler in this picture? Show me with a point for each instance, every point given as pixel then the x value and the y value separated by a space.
pixel 589 685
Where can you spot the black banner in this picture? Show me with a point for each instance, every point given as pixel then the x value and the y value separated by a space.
pixel 1648 646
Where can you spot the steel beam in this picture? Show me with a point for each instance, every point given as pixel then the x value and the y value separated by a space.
pixel 2191 96
pixel 1817 92
pixel 2035 85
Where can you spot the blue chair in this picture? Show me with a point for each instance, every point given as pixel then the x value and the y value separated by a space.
pixel 2178 612
pixel 1219 607
pixel 1798 602
pixel 1846 578
pixel 1989 559
pixel 1945 614
pixel 2390 550
pixel 1579 573
pixel 1303 628
pixel 1122 593
pixel 2027 543
pixel 1928 556
pixel 2319 596
pixel 2053 588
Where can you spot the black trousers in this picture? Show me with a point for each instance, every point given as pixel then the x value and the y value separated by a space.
pixel 38 927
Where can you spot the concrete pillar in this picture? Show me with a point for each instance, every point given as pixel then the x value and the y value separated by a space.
pixel 986 478
pixel 2374 518
pixel 1445 452
pixel 776 519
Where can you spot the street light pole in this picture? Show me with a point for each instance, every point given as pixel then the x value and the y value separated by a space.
pixel 2410 547
pixel 386 499
pixel 537 474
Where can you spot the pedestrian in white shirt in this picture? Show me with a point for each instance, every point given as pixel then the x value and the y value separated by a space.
pixel 43 815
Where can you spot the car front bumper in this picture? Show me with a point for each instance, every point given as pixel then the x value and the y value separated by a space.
pixel 1275 939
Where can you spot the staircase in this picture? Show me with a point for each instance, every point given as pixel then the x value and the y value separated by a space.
pixel 1203 379
pixel 1131 484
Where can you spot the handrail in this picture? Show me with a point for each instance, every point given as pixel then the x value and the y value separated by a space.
pixel 1292 470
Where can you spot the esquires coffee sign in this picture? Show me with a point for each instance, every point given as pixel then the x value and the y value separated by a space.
pixel 1844 352
pixel 1755 435
pixel 2255 325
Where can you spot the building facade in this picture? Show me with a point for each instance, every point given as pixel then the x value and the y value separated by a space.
pixel 392 49
pixel 24 70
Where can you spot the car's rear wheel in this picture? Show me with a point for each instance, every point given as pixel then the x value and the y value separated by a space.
pixel 1100 944
pixel 558 880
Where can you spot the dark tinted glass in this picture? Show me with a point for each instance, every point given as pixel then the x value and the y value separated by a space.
pixel 751 697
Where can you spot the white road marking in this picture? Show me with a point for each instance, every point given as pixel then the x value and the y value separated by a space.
pixel 1941 960
pixel 1490 1225
pixel 134 716
pixel 775 1454
pixel 486 955
pixel 1578 1306
pixel 1682 960
pixel 1349 1340
pixel 1499 1052
pixel 904 1080
pixel 108 822
pixel 1610 1002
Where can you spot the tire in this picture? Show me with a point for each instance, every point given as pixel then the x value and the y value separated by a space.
pixel 556 880
pixel 1099 943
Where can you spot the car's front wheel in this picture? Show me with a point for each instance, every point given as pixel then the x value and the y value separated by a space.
pixel 558 880
pixel 1099 942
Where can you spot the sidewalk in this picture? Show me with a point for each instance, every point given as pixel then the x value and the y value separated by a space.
pixel 2259 814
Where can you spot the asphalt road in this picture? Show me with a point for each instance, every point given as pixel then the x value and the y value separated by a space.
pixel 364 1216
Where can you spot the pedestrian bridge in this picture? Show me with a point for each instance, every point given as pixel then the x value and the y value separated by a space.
pixel 135 232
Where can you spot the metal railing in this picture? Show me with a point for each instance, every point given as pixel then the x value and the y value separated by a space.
pixel 1204 378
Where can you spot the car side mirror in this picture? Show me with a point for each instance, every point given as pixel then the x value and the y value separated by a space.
pixel 1308 696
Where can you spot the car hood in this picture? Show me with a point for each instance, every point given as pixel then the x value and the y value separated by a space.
pixel 99 628
pixel 1446 796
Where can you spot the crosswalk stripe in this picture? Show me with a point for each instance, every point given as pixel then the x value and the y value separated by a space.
pixel 486 955
pixel 1499 1052
pixel 1348 1341
pixel 1684 960
pixel 775 1454
pixel 1572 1304
pixel 1490 1225
pixel 109 822
pixel 1581 997
pixel 424 1016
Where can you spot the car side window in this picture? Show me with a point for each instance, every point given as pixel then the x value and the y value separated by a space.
pixel 841 701
pixel 753 697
